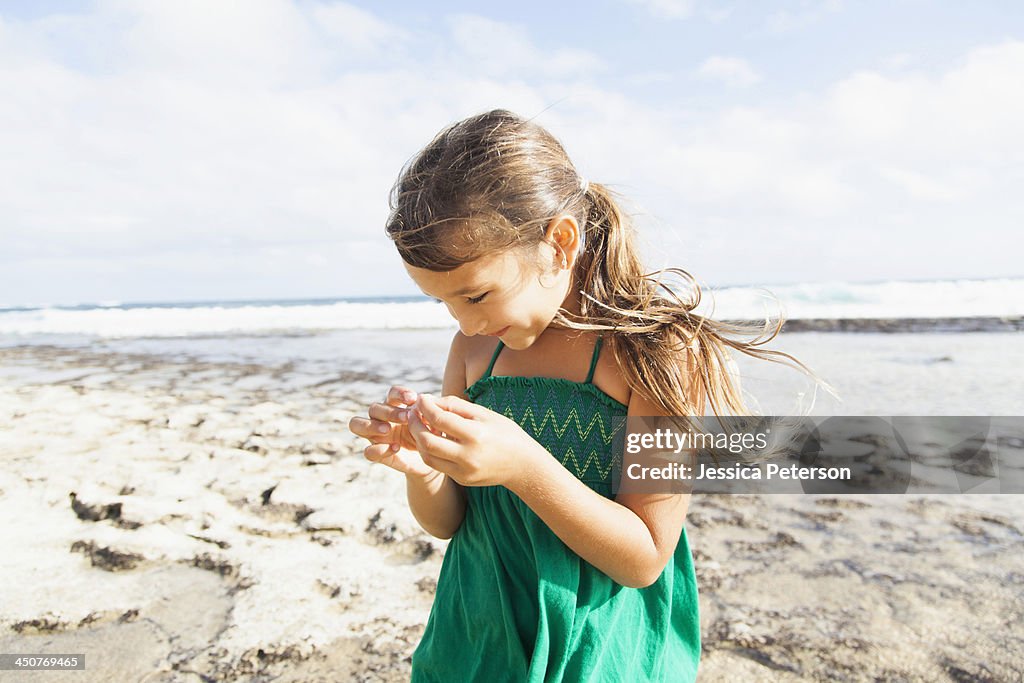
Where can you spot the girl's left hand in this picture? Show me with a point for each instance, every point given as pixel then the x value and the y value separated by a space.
pixel 472 444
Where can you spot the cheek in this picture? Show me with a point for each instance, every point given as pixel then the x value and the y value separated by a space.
pixel 530 305
pixel 539 304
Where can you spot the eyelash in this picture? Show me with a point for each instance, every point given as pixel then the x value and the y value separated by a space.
pixel 474 300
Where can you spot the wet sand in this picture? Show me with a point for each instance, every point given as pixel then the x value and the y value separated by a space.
pixel 178 519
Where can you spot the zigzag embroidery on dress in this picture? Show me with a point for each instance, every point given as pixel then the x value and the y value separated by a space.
pixel 592 442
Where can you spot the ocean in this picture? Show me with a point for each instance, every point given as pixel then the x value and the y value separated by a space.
pixel 943 370
pixel 892 300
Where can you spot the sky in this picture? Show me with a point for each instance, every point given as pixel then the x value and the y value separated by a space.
pixel 203 150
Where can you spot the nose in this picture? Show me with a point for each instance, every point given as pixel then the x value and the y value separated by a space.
pixel 471 327
pixel 470 324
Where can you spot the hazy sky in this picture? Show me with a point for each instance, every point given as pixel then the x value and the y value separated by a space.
pixel 205 149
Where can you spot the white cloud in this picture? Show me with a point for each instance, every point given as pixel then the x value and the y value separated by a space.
pixel 868 139
pixel 668 9
pixel 762 158
pixel 929 188
pixel 898 60
pixel 500 49
pixel 358 29
pixel 966 115
pixel 729 70
pixel 237 41
pixel 805 13
pixel 186 159
pixel 717 15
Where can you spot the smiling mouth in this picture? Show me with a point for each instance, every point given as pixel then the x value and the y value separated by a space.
pixel 499 332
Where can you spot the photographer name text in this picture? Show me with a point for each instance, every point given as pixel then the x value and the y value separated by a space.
pixel 679 471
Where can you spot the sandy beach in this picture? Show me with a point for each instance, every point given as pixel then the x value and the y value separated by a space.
pixel 199 517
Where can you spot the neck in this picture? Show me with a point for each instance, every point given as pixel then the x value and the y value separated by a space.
pixel 571 302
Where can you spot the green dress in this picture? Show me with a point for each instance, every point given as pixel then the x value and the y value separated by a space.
pixel 514 603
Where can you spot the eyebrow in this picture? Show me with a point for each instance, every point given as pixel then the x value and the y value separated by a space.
pixel 467 290
pixel 464 291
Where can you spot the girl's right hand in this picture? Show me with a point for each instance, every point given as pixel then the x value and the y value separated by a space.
pixel 387 429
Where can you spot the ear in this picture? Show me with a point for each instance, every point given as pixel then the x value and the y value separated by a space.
pixel 563 233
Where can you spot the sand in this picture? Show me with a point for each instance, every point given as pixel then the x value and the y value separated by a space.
pixel 185 520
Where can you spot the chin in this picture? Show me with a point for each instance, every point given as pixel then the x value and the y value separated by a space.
pixel 519 343
pixel 515 345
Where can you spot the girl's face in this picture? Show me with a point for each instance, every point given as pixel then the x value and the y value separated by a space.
pixel 514 294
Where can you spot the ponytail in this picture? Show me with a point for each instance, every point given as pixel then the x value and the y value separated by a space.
pixel 674 358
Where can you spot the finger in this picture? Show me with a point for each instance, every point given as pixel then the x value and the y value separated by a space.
pixel 374 430
pixel 440 465
pixel 452 424
pixel 429 443
pixel 379 452
pixel 367 428
pixel 401 460
pixel 461 407
pixel 398 395
pixel 386 413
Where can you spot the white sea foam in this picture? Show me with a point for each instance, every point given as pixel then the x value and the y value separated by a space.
pixel 211 320
pixel 833 300
pixel 937 299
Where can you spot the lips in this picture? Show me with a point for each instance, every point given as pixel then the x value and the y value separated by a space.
pixel 499 332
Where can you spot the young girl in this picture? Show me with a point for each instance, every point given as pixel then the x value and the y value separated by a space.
pixel 547 577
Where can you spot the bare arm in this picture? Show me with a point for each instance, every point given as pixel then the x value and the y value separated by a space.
pixel 630 538
pixel 437 501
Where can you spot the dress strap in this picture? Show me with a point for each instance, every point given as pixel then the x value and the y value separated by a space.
pixel 593 361
pixel 497 350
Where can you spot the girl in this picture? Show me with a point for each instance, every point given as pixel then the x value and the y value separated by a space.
pixel 547 577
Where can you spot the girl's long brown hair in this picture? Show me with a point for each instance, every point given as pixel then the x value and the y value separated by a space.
pixel 494 181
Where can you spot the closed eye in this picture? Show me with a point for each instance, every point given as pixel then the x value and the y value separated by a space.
pixel 472 300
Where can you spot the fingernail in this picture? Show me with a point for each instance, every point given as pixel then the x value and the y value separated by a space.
pixel 395 448
pixel 408 396
pixel 403 415
pixel 383 429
